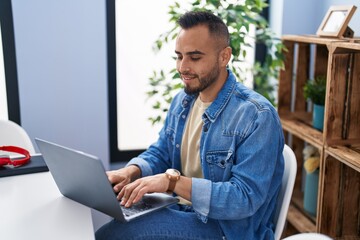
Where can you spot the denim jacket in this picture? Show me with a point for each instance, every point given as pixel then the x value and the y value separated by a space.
pixel 241 157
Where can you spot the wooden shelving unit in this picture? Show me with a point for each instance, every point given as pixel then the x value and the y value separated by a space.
pixel 338 210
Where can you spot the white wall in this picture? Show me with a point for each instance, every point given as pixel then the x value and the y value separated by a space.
pixel 305 17
pixel 61 58
pixel 62 72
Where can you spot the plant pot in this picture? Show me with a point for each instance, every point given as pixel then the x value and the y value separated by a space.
pixel 311 192
pixel 318 117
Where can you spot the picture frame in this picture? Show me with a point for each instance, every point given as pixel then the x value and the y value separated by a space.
pixel 335 22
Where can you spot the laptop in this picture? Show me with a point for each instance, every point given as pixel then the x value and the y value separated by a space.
pixel 82 178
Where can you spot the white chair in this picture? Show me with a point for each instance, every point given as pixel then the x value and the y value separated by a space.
pixel 308 236
pixel 287 187
pixel 11 134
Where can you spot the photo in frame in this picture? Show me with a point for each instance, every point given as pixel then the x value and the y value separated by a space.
pixel 335 22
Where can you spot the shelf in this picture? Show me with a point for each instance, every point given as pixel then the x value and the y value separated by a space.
pixel 338 212
pixel 347 238
pixel 298 201
pixel 298 217
pixel 303 131
pixel 312 39
pixel 299 221
pixel 347 155
pixel 345 47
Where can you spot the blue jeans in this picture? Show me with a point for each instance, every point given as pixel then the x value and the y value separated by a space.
pixel 164 224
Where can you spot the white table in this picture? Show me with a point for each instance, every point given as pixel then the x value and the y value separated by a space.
pixel 31 207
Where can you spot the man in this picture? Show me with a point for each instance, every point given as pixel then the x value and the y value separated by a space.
pixel 224 139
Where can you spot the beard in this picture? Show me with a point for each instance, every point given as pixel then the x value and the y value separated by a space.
pixel 204 82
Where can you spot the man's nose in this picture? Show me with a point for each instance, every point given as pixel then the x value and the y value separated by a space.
pixel 184 66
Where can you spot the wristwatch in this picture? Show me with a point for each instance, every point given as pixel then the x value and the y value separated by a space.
pixel 174 176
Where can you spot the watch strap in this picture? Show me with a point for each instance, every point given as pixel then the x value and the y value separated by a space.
pixel 173 175
pixel 171 187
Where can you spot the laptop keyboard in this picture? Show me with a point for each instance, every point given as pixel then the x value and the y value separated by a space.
pixel 135 208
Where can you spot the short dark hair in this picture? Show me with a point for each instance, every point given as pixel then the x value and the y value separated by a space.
pixel 215 24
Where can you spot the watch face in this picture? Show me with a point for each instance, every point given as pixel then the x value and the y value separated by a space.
pixel 173 172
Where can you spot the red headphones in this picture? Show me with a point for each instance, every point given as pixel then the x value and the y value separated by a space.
pixel 15 162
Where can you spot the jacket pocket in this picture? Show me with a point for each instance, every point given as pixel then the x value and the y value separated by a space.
pixel 219 164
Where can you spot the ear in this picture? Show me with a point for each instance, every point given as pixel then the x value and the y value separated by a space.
pixel 224 56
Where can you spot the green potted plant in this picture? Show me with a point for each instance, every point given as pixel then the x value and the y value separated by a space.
pixel 241 17
pixel 315 90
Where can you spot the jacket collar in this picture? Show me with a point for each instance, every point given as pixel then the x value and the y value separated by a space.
pixel 222 98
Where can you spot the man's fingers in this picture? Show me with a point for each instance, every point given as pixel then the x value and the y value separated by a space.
pixel 132 193
pixel 117 188
pixel 129 200
pixel 137 193
pixel 125 193
pixel 140 194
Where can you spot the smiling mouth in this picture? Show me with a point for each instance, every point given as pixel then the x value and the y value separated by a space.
pixel 188 77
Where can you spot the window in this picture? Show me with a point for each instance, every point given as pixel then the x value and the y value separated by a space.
pixel 132 31
pixel 9 95
pixel 3 96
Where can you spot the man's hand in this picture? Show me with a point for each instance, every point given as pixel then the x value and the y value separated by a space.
pixel 120 178
pixel 133 192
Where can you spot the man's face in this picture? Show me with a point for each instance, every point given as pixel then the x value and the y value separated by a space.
pixel 197 59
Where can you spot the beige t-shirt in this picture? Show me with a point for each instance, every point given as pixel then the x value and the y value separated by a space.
pixel 190 150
